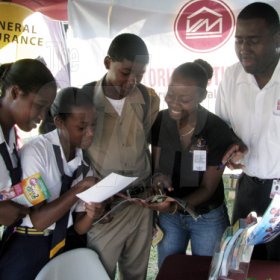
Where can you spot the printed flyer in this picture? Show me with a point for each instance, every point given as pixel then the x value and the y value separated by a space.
pixel 29 192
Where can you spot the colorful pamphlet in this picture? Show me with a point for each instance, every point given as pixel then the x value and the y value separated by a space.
pixel 29 192
pixel 232 259
pixel 269 225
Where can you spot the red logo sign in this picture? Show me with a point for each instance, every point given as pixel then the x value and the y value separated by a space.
pixel 204 25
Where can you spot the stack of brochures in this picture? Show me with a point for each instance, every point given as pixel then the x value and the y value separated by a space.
pixel 232 257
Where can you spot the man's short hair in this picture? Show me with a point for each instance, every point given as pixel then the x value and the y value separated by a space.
pixel 128 46
pixel 261 10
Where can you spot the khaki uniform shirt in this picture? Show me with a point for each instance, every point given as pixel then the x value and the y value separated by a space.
pixel 120 142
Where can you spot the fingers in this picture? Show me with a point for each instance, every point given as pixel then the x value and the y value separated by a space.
pixel 161 183
pixel 161 206
pixel 94 210
pixel 233 157
pixel 251 218
pixel 230 153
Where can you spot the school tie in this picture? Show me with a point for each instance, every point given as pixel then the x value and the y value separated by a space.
pixel 15 172
pixel 15 175
pixel 60 231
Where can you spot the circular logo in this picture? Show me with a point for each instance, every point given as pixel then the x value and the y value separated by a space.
pixel 204 25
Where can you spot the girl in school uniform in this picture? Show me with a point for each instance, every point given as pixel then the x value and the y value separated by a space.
pixel 59 158
pixel 27 89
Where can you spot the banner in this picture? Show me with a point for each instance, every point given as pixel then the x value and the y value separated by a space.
pixel 25 34
pixel 175 32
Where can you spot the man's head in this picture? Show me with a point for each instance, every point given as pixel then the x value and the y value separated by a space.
pixel 126 62
pixel 258 38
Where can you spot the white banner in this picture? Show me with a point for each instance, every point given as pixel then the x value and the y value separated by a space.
pixel 175 31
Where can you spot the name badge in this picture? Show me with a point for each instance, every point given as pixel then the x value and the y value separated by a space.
pixel 199 150
pixel 199 160
pixel 276 110
pixel 275 188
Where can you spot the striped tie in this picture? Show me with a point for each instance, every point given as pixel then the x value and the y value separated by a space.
pixel 60 231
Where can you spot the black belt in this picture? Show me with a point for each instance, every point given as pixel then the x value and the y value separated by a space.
pixel 260 181
pixel 201 210
pixel 134 191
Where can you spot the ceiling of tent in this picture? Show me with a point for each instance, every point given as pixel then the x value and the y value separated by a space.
pixel 56 9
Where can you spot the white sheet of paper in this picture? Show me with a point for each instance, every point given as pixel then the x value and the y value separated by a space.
pixel 106 188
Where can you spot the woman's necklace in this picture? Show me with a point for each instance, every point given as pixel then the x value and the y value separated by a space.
pixel 187 133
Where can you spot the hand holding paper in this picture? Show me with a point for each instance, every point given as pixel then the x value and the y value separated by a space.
pixel 106 188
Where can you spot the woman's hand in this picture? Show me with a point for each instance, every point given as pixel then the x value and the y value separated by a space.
pixel 86 183
pixel 167 206
pixel 161 183
pixel 94 210
pixel 11 212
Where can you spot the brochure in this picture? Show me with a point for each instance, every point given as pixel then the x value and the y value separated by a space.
pixel 232 259
pixel 269 225
pixel 29 192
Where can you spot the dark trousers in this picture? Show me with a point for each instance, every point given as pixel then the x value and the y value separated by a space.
pixel 253 195
pixel 23 256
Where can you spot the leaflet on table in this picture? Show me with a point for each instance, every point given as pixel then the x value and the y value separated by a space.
pixel 269 225
pixel 106 188
pixel 219 254
pixel 233 254
pixel 29 192
pixel 232 258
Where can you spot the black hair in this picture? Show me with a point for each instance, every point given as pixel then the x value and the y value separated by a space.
pixel 30 75
pixel 128 46
pixel 206 67
pixel 67 99
pixel 197 72
pixel 261 10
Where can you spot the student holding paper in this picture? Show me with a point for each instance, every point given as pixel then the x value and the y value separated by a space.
pixel 59 158
pixel 188 146
pixel 126 110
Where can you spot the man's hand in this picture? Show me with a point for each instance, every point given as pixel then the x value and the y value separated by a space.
pixel 234 156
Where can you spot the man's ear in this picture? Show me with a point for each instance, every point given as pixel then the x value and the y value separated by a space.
pixel 107 61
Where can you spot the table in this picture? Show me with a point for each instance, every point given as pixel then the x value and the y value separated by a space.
pixel 187 267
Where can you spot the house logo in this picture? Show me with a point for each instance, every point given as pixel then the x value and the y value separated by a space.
pixel 204 25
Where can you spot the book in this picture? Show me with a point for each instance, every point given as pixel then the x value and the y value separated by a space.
pixel 268 227
pixel 228 254
pixel 219 254
pixel 29 192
